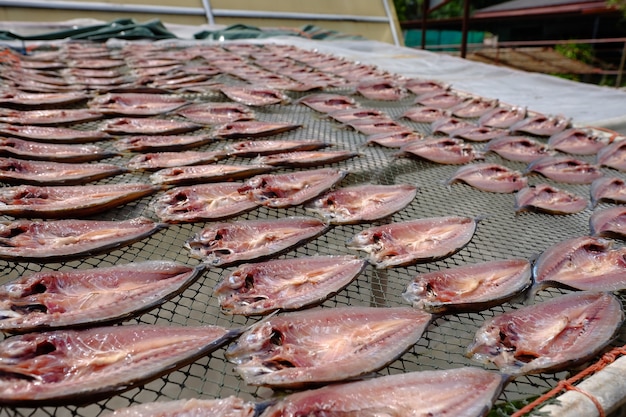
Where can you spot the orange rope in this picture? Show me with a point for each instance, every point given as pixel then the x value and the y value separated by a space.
pixel 567 384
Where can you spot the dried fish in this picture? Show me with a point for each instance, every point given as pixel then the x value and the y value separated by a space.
pixel 206 173
pixel 518 148
pixel 216 113
pixel 376 89
pixel 547 199
pixel 286 284
pixel 26 149
pixel 609 222
pixel 305 159
pixel 551 336
pixel 395 139
pixel 161 143
pixel 221 407
pixel 52 134
pixel 608 189
pixel 541 125
pixel 473 107
pixel 223 244
pixel 136 104
pixel 159 160
pixel 565 169
pixel 490 177
pixel 254 96
pixel 423 114
pixel 252 129
pixel 252 148
pixel 502 117
pixel 468 288
pixel 146 126
pixel 415 241
pixel 326 103
pixel 48 117
pixel 89 297
pixel 442 150
pixel 577 141
pixel 324 345
pixel 613 155
pixel 362 203
pixel 17 171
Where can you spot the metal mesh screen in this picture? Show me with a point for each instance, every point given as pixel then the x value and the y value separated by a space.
pixel 501 234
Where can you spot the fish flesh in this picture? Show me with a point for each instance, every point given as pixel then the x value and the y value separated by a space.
pixel 439 99
pixel 395 139
pixel 554 335
pixel 414 241
pixel 222 407
pixel 362 203
pixel 90 297
pixel 17 171
pixel 348 115
pixel 490 177
pixel 461 392
pixel 159 160
pixel 224 244
pixel 613 156
pixel 469 288
pixel 326 103
pixel 216 113
pixel 581 263
pixel 52 240
pixel 450 125
pixel 20 99
pixel 577 141
pixel 565 169
pixel 518 148
pixel 202 202
pixel 473 107
pixel 254 96
pixel 305 159
pixel 48 116
pixel 375 89
pixel 286 284
pixel 68 201
pixel 26 149
pixel 425 114
pixel 541 125
pixel 206 173
pixel 325 344
pixel 161 143
pixel 477 133
pixel 442 150
pixel 420 86
pixel 608 189
pixel 146 126
pixel 52 134
pixel 502 117
pixel 290 189
pixel 252 129
pixel 136 104
pixel 544 198
pixel 609 222
pixel 252 148
pixel 63 367
pixel 375 126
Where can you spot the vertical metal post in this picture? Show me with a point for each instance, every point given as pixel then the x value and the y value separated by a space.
pixel 620 71
pixel 425 7
pixel 208 11
pixel 464 28
pixel 392 24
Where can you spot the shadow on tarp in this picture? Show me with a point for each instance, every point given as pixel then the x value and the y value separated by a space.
pixel 241 31
pixel 120 28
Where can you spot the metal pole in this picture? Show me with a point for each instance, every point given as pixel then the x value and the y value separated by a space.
pixel 208 11
pixel 425 7
pixel 392 25
pixel 464 28
pixel 620 71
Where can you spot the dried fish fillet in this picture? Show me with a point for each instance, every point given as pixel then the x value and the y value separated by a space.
pixel 489 177
pixel 609 222
pixel 547 199
pixel 17 171
pixel 221 407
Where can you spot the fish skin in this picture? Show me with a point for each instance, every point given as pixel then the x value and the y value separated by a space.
pixel 582 263
pixel 26 149
pixel 460 392
pixel 206 173
pixel 286 284
pixel 490 177
pixel 394 139
pixel 613 155
pixel 216 113
pixel 51 240
pixel 224 244
pixel 220 407
pixel 158 160
pixel 473 107
pixel 423 114
pixel 18 171
pixel 254 148
pixel 415 241
pixel 202 202
pixel 104 361
pixel 160 143
pixel 541 125
pixel 146 126
pixel 325 345
pixel 419 86
pixel 254 96
pixel 252 129
pixel 375 126
pixel 375 89
pixel 68 201
pixel 348 115
pixel 609 222
pixel 518 148
pixel 544 198
pixel 326 103
pixel 608 189
pixel 565 169
pixel 502 117
pixel 48 117
pixel 362 203
pixel 469 288
pixel 551 336
pixel 21 99
pixel 52 133
pixel 306 159
pixel 439 99
pixel 291 189
pixel 577 141
pixel 442 150
pixel 477 133
pixel 90 297
pixel 450 125
pixel 135 104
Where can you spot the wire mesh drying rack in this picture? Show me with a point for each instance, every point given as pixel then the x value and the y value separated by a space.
pixel 502 234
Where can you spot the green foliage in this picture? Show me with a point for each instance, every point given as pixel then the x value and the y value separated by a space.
pixel 578 51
